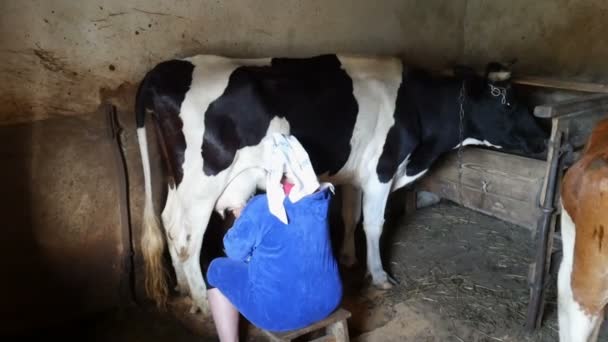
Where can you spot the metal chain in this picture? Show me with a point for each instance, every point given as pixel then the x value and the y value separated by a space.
pixel 461 99
pixel 499 91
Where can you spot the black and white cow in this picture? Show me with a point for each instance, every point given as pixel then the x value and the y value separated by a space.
pixel 370 124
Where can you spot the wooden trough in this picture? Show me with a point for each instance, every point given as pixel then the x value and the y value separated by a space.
pixel 521 190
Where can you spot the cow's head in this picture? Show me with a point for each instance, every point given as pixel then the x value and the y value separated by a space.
pixel 497 116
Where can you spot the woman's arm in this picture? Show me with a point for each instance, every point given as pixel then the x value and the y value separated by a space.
pixel 240 239
pixel 245 234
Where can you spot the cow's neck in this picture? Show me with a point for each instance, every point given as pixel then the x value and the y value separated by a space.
pixel 440 134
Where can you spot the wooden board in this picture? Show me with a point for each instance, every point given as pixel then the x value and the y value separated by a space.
pixel 498 184
pixel 546 82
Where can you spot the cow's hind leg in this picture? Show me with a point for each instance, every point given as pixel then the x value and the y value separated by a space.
pixel 198 218
pixel 186 229
pixel 351 212
pixel 173 222
pixel 374 205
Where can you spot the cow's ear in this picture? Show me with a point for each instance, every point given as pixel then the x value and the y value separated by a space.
pixel 498 73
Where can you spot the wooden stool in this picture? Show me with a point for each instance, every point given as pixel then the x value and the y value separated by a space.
pixel 335 327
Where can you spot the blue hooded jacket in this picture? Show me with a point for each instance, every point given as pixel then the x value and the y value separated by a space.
pixel 280 277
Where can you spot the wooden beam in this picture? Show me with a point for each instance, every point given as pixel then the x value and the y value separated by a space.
pixel 569 108
pixel 548 82
pixel 559 84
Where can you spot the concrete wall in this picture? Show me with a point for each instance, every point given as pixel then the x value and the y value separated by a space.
pixel 58 54
pixel 64 249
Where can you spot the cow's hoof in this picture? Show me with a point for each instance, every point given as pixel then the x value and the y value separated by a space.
pixel 200 304
pixel 385 285
pixel 348 261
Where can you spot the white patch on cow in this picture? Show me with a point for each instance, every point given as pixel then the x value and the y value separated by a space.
pixel 498 76
pixel 374 203
pixel 209 81
pixel 574 324
pixel 401 178
pixel 473 141
pixel 240 189
pixel 375 86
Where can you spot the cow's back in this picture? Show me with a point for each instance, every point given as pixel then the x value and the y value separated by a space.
pixel 332 104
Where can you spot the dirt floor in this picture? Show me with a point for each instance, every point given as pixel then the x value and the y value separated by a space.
pixel 463 277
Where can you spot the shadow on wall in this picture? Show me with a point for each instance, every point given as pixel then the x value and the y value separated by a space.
pixel 62 253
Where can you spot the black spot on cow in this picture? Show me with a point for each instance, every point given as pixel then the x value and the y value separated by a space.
pixel 427 120
pixel 426 123
pixel 402 137
pixel 162 91
pixel 315 96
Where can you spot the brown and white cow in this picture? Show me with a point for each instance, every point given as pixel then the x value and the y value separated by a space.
pixel 583 274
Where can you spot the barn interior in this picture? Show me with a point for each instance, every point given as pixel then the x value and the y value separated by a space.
pixel 71 262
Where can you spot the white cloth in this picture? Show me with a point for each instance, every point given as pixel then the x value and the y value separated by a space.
pixel 285 155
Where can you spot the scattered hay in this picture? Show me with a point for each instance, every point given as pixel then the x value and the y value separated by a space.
pixel 493 303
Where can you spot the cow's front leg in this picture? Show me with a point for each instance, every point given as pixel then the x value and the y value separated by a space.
pixel 374 204
pixel 351 212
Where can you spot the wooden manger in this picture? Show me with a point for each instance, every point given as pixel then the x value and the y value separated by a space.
pixel 522 190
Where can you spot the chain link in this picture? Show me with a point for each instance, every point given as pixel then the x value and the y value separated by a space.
pixel 461 98
pixel 499 91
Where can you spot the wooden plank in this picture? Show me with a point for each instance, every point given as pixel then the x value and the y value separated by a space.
pixel 338 315
pixel 494 172
pixel 519 213
pixel 560 84
pixel 548 82
pixel 495 183
pixel 573 107
pixel 339 330
pixel 328 338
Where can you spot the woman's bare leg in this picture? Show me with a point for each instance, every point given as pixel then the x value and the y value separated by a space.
pixel 225 316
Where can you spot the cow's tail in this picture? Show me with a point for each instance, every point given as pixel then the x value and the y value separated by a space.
pixel 152 242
